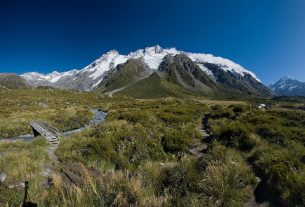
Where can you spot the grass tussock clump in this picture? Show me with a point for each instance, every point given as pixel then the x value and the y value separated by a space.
pixel 234 134
pixel 112 189
pixel 221 178
pixel 21 161
pixel 283 172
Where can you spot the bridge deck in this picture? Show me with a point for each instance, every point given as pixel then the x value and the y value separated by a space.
pixel 50 133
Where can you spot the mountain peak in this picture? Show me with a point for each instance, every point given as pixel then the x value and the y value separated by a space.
pixel 288 86
pixel 154 49
pixel 111 52
pixel 285 78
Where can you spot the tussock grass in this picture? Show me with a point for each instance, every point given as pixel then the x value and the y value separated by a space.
pixel 23 161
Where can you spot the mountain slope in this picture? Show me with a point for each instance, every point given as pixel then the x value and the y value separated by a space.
pixel 180 69
pixel 239 82
pixel 154 87
pixel 12 81
pixel 92 75
pixel 125 74
pixel 288 87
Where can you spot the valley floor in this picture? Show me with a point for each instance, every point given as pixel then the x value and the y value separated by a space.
pixel 152 152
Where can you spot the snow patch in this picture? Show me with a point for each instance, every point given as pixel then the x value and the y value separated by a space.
pixel 226 64
pixel 206 70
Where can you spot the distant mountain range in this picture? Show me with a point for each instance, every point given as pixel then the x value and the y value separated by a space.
pixel 158 72
pixel 170 69
pixel 287 86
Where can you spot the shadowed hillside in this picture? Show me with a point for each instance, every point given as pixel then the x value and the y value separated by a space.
pixel 12 81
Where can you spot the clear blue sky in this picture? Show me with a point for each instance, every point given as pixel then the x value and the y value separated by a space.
pixel 265 36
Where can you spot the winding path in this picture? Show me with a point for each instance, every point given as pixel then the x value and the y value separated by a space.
pixel 98 117
pixel 198 151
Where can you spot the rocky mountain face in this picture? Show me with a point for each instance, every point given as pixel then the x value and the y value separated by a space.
pixel 239 82
pixel 180 69
pixel 12 81
pixel 287 86
pixel 192 71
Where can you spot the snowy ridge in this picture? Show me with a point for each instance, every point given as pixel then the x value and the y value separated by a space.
pixel 226 64
pixel 51 77
pixel 288 86
pixel 152 56
pixel 206 70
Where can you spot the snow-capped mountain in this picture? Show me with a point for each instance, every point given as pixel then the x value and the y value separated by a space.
pixel 91 76
pixel 288 87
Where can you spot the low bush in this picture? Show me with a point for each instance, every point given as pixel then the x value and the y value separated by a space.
pixel 283 173
pixel 233 134
pixel 221 178
pixel 174 141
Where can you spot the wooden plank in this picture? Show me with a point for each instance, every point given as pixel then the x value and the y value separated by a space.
pixel 49 133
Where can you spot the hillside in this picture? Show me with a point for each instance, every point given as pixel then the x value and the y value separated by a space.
pixel 12 81
pixel 154 87
pixel 124 75
pixel 181 70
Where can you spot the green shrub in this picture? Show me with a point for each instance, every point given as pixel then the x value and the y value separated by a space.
pixel 283 173
pixel 221 178
pixel 273 134
pixel 234 134
pixel 175 141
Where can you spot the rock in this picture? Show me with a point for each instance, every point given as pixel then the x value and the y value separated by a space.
pixel 2 177
pixel 49 183
pixel 43 105
pixel 77 174
pixel 47 172
pixel 17 186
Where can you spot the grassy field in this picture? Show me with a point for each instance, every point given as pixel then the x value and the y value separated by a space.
pixel 140 154
pixel 62 109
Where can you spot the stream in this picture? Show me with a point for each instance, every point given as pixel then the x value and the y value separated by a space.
pixel 98 117
pixel 49 169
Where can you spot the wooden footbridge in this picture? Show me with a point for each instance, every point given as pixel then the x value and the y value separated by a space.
pixel 50 133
